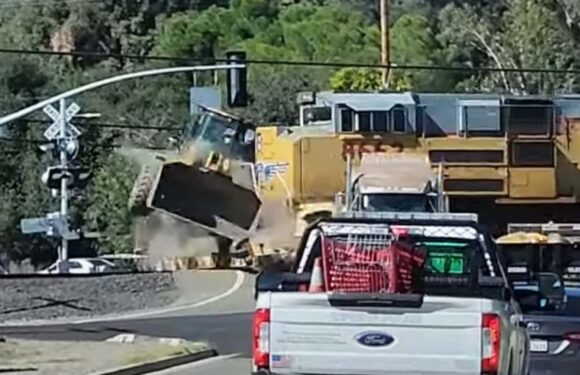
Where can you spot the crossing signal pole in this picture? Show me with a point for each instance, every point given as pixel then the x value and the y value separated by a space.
pixel 63 143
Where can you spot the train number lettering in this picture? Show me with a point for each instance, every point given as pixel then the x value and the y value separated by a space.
pixel 359 147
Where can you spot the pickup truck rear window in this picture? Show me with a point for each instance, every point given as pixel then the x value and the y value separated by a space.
pixel 452 258
pixel 443 258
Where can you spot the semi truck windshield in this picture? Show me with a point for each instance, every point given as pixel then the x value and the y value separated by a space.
pixel 396 202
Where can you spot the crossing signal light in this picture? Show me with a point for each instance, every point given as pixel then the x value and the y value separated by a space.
pixel 77 177
pixel 237 90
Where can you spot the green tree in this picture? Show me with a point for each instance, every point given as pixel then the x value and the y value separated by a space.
pixel 109 194
pixel 521 34
pixel 268 31
pixel 350 79
pixel 413 43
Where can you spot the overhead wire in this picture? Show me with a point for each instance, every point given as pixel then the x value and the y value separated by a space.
pixel 109 125
pixel 17 3
pixel 268 62
pixel 97 124
pixel 296 62
pixel 40 142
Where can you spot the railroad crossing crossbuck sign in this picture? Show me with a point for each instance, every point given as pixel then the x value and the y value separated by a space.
pixel 53 130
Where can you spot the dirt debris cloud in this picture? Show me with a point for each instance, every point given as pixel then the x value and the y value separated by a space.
pixel 171 237
pixel 276 225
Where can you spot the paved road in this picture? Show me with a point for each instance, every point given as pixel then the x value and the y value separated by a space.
pixel 228 333
pixel 224 322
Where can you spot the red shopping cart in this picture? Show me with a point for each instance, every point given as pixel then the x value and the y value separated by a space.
pixel 370 264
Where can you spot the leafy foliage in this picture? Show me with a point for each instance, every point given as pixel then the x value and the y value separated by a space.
pixel 109 195
pixel 350 79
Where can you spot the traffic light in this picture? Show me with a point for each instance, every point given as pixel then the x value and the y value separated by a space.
pixel 77 177
pixel 237 90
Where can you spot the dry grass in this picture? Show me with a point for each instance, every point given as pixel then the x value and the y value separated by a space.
pixel 165 351
pixel 78 358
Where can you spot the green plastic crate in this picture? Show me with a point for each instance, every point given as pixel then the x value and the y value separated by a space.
pixel 442 253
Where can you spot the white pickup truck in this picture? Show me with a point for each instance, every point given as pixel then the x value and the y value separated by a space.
pixel 465 320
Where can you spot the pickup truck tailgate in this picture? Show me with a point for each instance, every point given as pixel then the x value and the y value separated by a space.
pixel 311 335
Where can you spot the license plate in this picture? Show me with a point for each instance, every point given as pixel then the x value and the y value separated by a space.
pixel 539 346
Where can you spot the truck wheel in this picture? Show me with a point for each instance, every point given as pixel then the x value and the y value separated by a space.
pixel 140 192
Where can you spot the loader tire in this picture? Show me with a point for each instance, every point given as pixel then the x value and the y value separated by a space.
pixel 243 252
pixel 140 192
pixel 223 256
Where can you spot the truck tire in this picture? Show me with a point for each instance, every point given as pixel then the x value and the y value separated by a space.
pixel 140 192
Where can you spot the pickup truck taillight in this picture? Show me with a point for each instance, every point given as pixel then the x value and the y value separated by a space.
pixel 261 345
pixel 490 343
pixel 573 336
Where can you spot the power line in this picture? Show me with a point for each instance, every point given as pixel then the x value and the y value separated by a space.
pixel 23 140
pixel 297 63
pixel 97 124
pixel 40 142
pixel 112 125
pixel 8 4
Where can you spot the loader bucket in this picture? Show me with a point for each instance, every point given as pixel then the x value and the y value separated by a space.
pixel 206 198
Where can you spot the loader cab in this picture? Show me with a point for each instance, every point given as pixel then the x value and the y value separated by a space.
pixel 222 133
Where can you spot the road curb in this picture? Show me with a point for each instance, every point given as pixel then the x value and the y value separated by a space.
pixel 161 364
pixel 16 370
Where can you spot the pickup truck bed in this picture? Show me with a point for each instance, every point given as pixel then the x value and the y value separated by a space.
pixel 468 326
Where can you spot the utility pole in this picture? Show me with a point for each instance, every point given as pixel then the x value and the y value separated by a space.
pixel 63 256
pixel 385 40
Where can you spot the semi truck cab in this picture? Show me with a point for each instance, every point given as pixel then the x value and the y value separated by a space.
pixel 392 183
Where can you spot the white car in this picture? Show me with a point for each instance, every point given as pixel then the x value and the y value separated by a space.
pixel 83 266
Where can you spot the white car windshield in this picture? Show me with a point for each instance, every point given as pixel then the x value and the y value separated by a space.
pixel 99 262
pixel 571 306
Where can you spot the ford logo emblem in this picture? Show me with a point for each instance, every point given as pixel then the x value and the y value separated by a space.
pixel 374 339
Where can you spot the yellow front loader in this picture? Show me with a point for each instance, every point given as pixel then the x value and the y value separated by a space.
pixel 208 182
